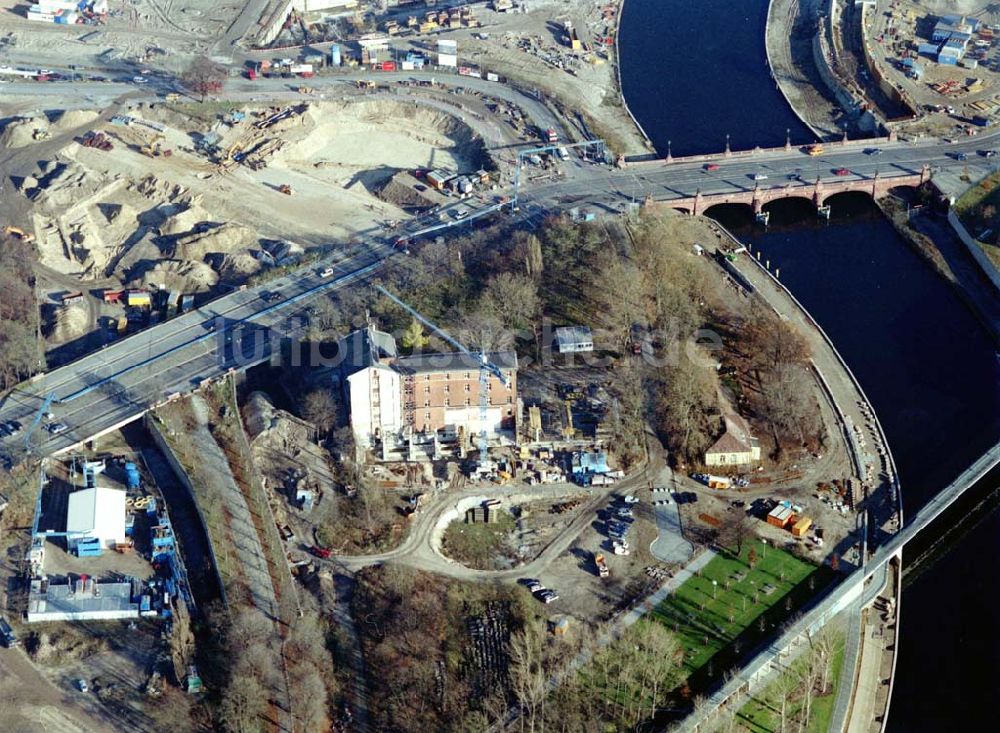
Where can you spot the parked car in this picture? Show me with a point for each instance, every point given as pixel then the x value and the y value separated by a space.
pixel 758 176
pixel 326 272
pixel 548 596
pixel 629 499
pixel 81 685
pixel 56 427
pixel 322 552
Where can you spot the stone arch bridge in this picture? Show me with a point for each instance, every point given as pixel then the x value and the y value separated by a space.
pixel 819 192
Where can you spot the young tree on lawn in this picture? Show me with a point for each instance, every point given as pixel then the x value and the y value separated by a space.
pixel 203 77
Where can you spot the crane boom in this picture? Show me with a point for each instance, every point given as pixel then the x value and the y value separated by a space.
pixel 444 335
pixel 486 368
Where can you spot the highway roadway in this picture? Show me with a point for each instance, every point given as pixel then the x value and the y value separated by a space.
pixel 122 380
pixel 101 390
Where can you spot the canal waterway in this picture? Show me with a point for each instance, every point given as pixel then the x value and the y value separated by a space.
pixel 930 370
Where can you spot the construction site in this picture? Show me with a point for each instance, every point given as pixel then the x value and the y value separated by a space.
pixel 161 203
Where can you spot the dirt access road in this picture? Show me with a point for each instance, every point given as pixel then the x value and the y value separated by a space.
pixel 418 549
pixel 30 702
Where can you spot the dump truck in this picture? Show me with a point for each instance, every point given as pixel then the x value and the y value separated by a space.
pixel 602 565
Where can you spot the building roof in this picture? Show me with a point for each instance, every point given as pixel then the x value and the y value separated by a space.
pixel 587 462
pixel 453 361
pixel 364 348
pixel 574 335
pixel 736 439
pixel 87 507
pixel 81 597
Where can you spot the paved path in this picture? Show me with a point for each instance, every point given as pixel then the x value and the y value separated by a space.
pixel 670 546
pixel 865 694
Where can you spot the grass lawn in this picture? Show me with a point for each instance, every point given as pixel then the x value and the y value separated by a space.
pixel 708 617
pixel 969 208
pixel 479 545
pixel 758 716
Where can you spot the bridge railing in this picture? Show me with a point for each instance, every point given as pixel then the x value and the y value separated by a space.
pixel 711 157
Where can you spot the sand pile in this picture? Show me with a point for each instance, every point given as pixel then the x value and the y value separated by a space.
pixel 71 119
pixel 378 134
pixel 184 220
pixel 238 265
pixel 223 239
pixel 69 322
pixel 64 183
pixel 186 276
pixel 20 132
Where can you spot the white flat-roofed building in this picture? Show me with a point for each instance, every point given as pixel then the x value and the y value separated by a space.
pixel 97 513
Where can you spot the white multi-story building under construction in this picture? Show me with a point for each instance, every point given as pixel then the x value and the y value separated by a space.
pixel 393 398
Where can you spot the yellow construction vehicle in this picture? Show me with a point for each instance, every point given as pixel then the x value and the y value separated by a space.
pixel 20 234
pixel 365 84
pixel 306 90
pixel 285 189
pixel 172 97
pixel 152 148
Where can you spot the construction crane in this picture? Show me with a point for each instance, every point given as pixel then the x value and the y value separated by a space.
pixel 486 369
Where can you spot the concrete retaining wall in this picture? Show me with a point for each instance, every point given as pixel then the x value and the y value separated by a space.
pixel 884 83
pixel 975 249
pixel 152 425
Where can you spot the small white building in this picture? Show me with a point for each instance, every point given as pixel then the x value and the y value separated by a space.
pixel 573 340
pixel 96 514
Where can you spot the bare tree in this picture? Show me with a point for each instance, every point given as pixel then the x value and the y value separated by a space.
pixel 512 299
pixel 204 76
pixel 736 529
pixel 320 408
pixel 242 705
pixel 528 675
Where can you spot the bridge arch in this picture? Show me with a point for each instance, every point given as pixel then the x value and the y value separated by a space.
pixel 849 198
pixel 729 209
pixel 681 210
pixel 910 194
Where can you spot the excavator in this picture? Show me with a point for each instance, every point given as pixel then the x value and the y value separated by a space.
pixel 285 189
pixel 152 149
pixel 24 236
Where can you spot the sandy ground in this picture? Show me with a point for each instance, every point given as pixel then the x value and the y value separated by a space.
pixel 527 48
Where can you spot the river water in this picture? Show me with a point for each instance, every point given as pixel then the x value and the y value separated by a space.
pixel 692 71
